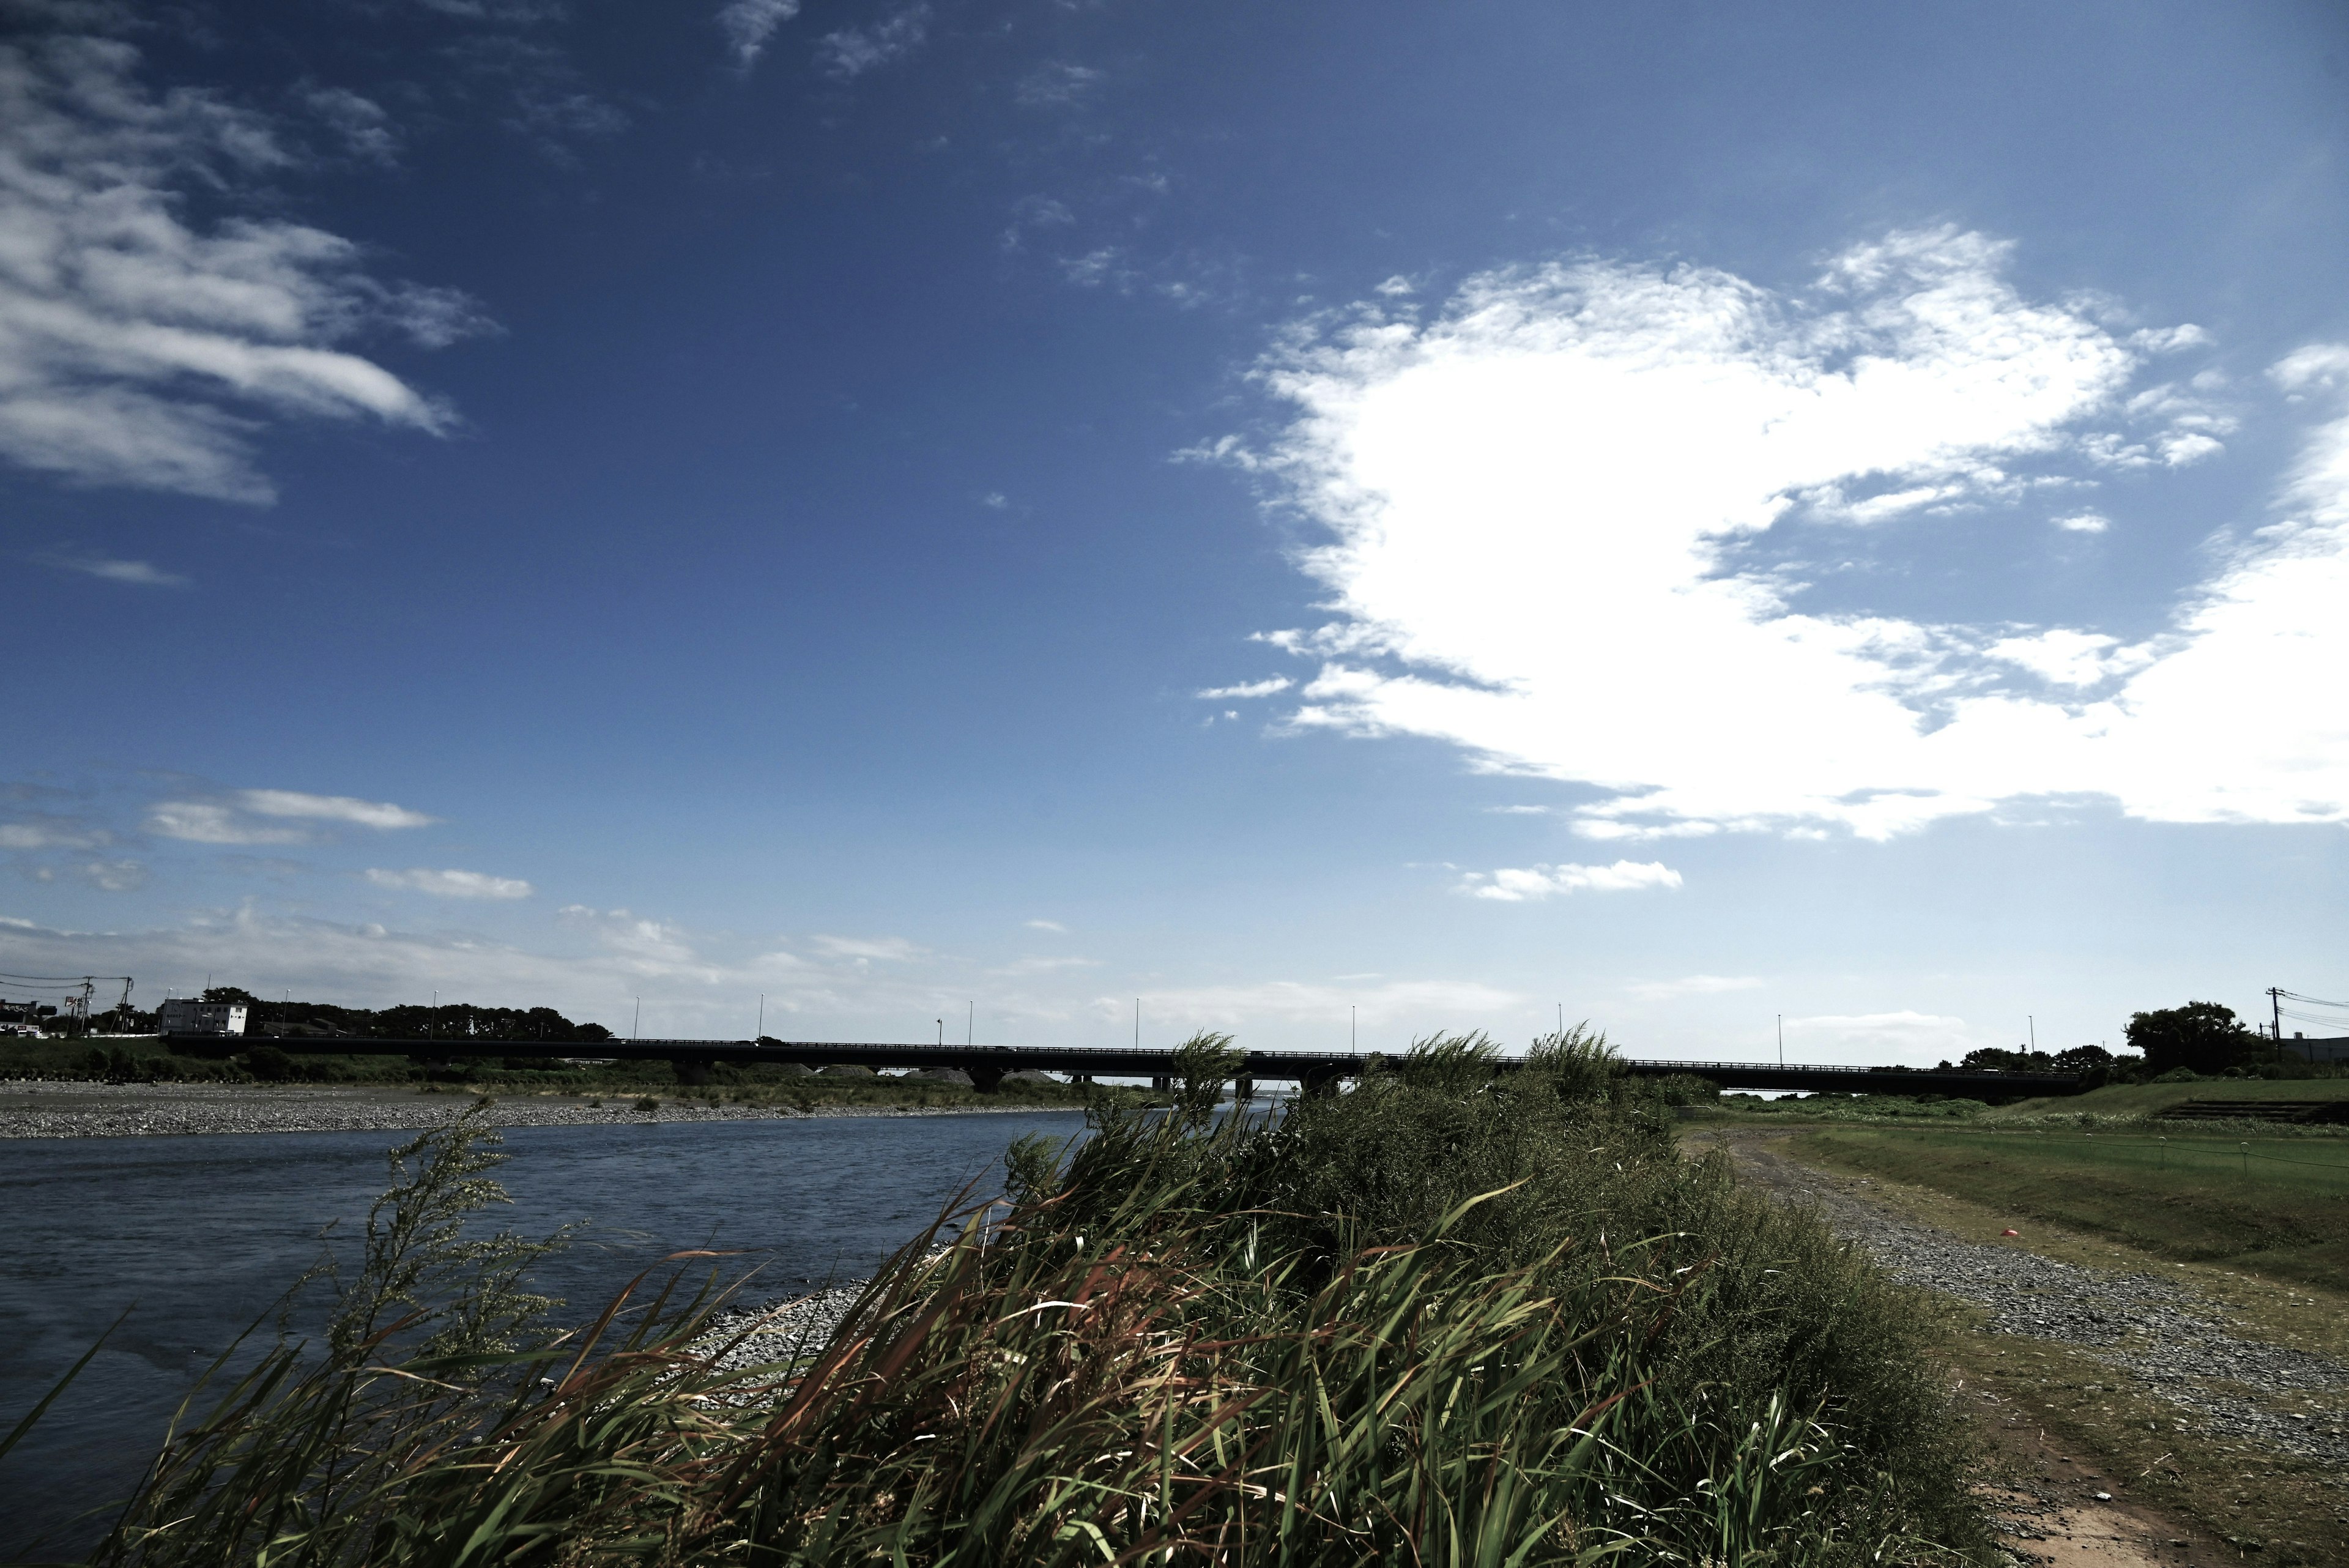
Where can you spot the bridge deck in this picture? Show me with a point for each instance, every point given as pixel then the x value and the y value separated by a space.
pixel 986 1064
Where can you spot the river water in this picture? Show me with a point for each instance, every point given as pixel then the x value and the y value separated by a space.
pixel 199 1236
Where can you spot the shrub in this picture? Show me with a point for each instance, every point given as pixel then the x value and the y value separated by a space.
pixel 269 1064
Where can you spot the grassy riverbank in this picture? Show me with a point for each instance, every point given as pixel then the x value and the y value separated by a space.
pixel 146 1060
pixel 2277 1204
pixel 1447 1317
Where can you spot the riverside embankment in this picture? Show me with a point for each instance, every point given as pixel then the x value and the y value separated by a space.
pixel 59 1109
pixel 2184 1411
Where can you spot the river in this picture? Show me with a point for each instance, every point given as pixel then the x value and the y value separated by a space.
pixel 198 1236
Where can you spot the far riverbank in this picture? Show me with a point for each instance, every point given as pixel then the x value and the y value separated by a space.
pixel 64 1108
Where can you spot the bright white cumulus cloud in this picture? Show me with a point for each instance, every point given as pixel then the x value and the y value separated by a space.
pixel 451 884
pixel 140 348
pixel 1523 884
pixel 1531 498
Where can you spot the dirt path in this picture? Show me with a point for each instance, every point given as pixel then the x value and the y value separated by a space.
pixel 2170 1343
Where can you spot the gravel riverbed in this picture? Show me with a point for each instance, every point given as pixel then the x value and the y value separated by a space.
pixel 69 1109
pixel 2172 1339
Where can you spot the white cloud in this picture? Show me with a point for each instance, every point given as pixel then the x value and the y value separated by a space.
pixel 49 833
pixel 364 128
pixel 1396 288
pixel 113 876
pixel 376 814
pixel 749 24
pixel 1058 84
pixel 1693 985
pixel 1253 688
pixel 853 51
pixel 862 950
pixel 2085 522
pixel 203 822
pixel 995 501
pixel 2318 367
pixel 143 573
pixel 1531 502
pixel 1053 926
pixel 1425 1006
pixel 451 884
pixel 1520 885
pixel 138 350
pixel 1880 1037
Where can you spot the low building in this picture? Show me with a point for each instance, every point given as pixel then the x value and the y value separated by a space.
pixel 2336 1049
pixel 188 1017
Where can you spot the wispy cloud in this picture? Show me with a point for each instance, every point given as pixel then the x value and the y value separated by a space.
pixel 1538 430
pixel 1533 883
pixel 143 574
pixel 358 122
pixel 232 820
pixel 207 822
pixel 41 831
pixel 112 876
pixel 1424 1006
pixel 451 884
pixel 1058 84
pixel 136 349
pixel 1693 985
pixel 1252 689
pixel 864 950
pixel 749 24
pixel 853 51
pixel 378 814
pixel 1053 926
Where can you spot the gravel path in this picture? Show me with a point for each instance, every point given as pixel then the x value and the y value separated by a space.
pixel 134 1110
pixel 2174 1339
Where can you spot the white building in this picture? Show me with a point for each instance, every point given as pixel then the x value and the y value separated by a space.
pixel 185 1017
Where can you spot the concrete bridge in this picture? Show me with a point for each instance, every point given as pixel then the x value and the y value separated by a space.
pixel 1314 1072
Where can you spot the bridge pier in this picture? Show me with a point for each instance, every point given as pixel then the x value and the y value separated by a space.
pixel 985 1076
pixel 1243 1091
pixel 1319 1083
pixel 693 1072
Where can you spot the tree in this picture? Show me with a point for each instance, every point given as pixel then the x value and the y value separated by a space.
pixel 1991 1059
pixel 2201 1036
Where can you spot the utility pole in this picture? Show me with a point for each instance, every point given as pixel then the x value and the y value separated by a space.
pixel 970 1025
pixel 1137 1023
pixel 2033 1024
pixel 1353 1028
pixel 763 1018
pixel 942 1034
pixel 2275 1000
pixel 1781 1040
pixel 635 1027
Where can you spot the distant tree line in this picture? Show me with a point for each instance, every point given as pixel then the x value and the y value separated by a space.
pixel 2201 1037
pixel 449 1021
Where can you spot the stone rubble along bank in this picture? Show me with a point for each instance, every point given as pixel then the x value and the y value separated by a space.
pixel 69 1109
pixel 2173 1337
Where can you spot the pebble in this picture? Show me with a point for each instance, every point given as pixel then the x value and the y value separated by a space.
pixel 2174 1338
pixel 71 1109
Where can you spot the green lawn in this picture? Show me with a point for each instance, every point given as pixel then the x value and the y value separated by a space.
pixel 2277 1206
pixel 2148 1099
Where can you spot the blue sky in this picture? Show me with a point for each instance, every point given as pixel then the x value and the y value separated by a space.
pixel 1431 513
